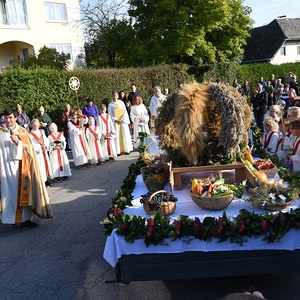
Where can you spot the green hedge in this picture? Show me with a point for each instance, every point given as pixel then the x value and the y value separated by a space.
pixel 48 87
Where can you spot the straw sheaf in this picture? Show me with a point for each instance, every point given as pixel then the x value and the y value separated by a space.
pixel 233 124
pixel 190 113
pixel 165 128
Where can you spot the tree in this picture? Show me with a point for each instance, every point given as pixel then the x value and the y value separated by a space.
pixel 106 28
pixel 47 57
pixel 190 31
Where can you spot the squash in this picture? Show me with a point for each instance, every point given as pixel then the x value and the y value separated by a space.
pixel 261 176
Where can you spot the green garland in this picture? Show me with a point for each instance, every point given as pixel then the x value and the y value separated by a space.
pixel 156 228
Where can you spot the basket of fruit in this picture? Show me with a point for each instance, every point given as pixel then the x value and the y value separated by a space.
pixel 273 197
pixel 267 167
pixel 212 194
pixel 161 201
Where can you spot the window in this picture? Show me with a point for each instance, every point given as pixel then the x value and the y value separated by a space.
pixel 62 48
pixel 55 12
pixel 13 12
pixel 282 51
pixel 298 50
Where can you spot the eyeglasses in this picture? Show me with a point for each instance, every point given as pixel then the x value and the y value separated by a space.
pixel 294 128
pixel 290 116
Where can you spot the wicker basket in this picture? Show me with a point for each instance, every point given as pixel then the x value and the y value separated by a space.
pixel 150 174
pixel 212 203
pixel 276 207
pixel 269 172
pixel 166 209
pixel 148 158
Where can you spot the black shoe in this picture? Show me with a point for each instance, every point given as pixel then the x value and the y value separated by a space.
pixel 65 178
pixel 48 183
pixel 29 224
pixel 57 179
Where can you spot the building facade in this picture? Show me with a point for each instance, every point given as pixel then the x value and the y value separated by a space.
pixel 276 43
pixel 28 25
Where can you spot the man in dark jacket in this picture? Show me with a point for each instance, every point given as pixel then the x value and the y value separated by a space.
pixel 260 104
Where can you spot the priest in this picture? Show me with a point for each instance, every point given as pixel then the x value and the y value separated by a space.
pixel 23 192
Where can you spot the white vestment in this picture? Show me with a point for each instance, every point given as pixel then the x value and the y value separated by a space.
pixel 93 136
pixel 295 158
pixel 38 136
pixel 137 113
pixel 79 146
pixel 106 126
pixel 123 140
pixel 58 156
pixel 270 141
pixel 10 156
pixel 155 103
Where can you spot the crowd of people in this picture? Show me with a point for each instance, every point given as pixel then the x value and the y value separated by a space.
pixel 276 111
pixel 93 135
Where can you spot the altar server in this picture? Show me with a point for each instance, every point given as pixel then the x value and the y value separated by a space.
pixel 106 126
pixel 93 136
pixel 270 138
pixel 41 145
pixel 294 158
pixel 57 153
pixel 80 150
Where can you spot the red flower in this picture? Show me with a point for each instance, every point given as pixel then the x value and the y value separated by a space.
pixel 242 226
pixel 114 212
pixel 178 226
pixel 197 227
pixel 220 226
pixel 264 225
pixel 124 229
pixel 150 227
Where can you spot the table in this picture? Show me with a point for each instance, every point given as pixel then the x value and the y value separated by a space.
pixel 194 259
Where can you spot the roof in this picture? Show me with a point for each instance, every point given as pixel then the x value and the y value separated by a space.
pixel 265 41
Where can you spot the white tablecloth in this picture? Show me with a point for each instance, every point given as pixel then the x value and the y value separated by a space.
pixel 116 245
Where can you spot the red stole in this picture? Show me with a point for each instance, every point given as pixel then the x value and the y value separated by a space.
pixel 268 139
pixel 76 123
pixel 295 146
pixel 44 150
pixel 58 151
pixel 106 131
pixel 94 133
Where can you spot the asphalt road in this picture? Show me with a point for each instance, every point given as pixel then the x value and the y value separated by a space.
pixel 62 257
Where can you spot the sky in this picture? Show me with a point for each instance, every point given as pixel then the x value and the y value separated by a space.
pixel 264 12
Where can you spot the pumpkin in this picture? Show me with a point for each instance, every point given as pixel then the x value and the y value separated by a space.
pixel 261 176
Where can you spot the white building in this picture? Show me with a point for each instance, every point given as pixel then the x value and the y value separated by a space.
pixel 28 25
pixel 276 43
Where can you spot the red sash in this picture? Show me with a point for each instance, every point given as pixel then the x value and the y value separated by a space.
pixel 295 147
pixel 94 133
pixel 281 139
pixel 44 150
pixel 268 139
pixel 76 123
pixel 80 135
pixel 58 151
pixel 106 131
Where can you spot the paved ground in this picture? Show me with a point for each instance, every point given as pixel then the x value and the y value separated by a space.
pixel 62 257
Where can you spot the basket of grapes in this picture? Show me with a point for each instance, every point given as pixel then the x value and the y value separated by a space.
pixel 161 201
pixel 273 197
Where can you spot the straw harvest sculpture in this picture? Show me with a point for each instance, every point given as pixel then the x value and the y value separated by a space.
pixel 203 123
